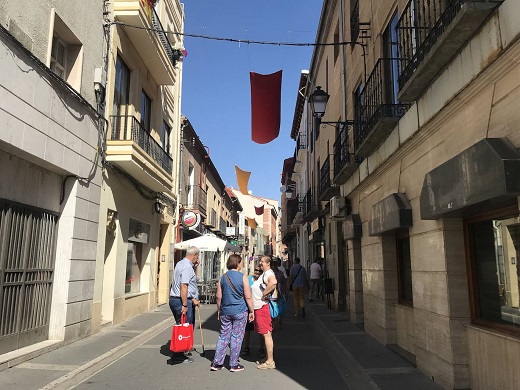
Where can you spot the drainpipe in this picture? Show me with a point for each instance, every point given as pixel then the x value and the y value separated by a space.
pixel 343 62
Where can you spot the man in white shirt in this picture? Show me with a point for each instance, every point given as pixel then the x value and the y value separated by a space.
pixel 315 277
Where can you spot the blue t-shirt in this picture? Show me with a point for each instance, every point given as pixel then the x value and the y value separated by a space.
pixel 298 276
pixel 232 302
pixel 184 274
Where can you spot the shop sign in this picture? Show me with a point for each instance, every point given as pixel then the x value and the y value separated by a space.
pixel 315 225
pixel 190 219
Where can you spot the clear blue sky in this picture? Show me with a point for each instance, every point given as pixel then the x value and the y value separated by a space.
pixel 216 95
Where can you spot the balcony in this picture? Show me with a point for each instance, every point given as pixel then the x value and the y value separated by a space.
pixel 327 189
pixel 136 152
pixel 196 199
pixel 211 222
pixel 310 203
pixel 345 164
pixel 300 150
pixel 431 33
pixel 154 48
pixel 295 208
pixel 378 109
pixel 222 226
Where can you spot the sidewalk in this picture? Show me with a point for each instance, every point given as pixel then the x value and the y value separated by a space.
pixel 321 349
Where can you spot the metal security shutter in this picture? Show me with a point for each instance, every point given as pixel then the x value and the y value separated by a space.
pixel 27 255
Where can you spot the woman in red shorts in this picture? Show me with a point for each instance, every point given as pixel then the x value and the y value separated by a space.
pixel 261 290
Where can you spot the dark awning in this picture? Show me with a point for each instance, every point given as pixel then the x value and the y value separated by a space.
pixel 352 227
pixel 393 212
pixel 484 177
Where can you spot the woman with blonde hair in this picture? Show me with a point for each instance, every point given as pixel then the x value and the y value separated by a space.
pixel 233 304
pixel 262 289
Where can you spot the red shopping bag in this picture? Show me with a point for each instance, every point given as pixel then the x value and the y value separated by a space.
pixel 182 336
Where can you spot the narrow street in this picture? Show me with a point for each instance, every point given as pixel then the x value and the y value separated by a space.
pixel 321 350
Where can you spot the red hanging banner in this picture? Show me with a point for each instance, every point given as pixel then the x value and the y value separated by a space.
pixel 266 96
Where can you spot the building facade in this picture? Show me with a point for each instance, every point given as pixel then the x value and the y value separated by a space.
pixel 140 177
pixel 50 178
pixel 421 122
pixel 260 235
pixel 207 206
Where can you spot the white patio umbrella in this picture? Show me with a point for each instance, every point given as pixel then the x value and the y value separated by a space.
pixel 208 243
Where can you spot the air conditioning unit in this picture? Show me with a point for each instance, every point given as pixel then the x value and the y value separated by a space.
pixel 337 208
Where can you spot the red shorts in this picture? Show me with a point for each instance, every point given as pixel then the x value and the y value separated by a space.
pixel 263 323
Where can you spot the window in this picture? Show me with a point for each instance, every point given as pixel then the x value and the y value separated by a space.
pixel 404 268
pixel 354 20
pixel 65 56
pixel 494 244
pixel 165 137
pixel 58 56
pixel 146 108
pixel 391 52
pixel 191 189
pixel 121 88
pixel 336 44
pixel 358 106
pixel 134 266
pixel 138 233
pixel 121 99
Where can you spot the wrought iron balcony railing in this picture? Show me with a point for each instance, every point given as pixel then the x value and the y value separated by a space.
pixel 222 226
pixel 378 110
pixel 325 175
pixel 423 24
pixel 301 142
pixel 196 198
pixel 310 202
pixel 212 220
pixel 345 163
pixel 126 128
pixel 327 188
pixel 295 209
pixel 173 54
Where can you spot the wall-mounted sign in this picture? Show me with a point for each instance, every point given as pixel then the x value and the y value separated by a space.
pixel 190 219
pixel 315 225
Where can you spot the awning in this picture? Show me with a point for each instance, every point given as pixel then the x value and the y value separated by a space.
pixel 393 212
pixel 352 228
pixel 208 243
pixel 484 177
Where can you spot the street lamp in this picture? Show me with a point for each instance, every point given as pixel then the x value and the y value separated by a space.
pixel 318 101
pixel 288 190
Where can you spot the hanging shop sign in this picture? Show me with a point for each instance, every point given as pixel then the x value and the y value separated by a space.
pixel 315 225
pixel 190 219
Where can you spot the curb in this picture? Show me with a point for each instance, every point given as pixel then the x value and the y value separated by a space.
pixel 89 369
pixel 354 375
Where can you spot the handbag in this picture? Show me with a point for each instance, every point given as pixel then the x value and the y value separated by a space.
pixel 182 336
pixel 290 287
pixel 277 307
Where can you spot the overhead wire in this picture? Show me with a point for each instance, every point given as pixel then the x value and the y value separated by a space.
pixel 239 41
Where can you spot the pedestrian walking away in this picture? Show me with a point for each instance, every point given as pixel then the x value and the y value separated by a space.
pixel 234 309
pixel 315 278
pixel 298 276
pixel 184 294
pixel 262 289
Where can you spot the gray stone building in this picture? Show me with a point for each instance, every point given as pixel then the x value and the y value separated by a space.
pixel 413 179
pixel 49 175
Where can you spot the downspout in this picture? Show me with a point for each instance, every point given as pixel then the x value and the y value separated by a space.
pixel 342 263
pixel 343 61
